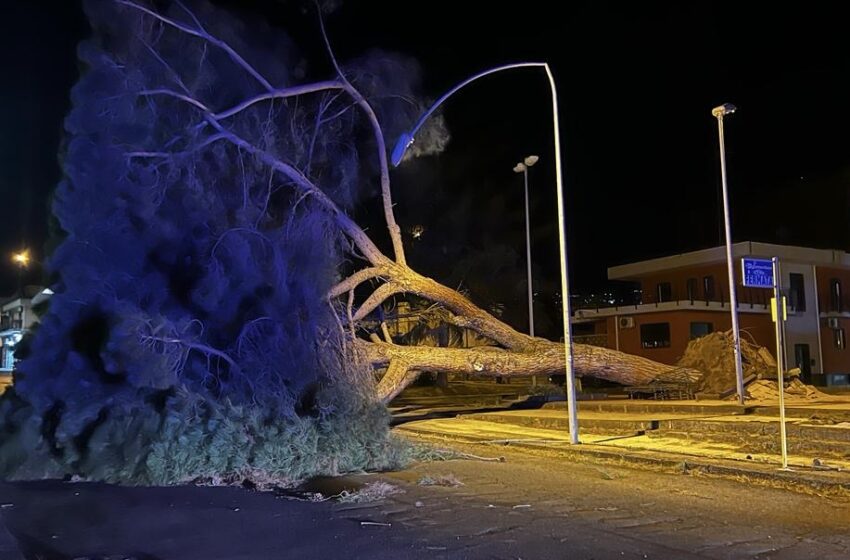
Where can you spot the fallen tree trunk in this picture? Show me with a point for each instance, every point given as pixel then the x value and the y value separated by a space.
pixel 543 357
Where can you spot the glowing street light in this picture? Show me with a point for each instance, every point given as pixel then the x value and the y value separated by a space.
pixel 407 138
pixel 22 259
pixel 719 113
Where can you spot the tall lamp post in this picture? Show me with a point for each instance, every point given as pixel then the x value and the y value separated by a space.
pixel 406 139
pixel 22 259
pixel 719 113
pixel 522 167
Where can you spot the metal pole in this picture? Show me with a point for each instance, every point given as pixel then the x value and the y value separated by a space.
pixel 565 288
pixel 406 139
pixel 780 358
pixel 733 300
pixel 528 257
pixel 528 265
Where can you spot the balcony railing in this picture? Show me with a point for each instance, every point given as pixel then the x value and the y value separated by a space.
pixel 752 298
pixel 7 324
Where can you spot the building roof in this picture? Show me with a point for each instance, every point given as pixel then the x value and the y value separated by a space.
pixel 716 255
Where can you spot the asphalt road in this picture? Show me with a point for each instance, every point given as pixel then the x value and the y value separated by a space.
pixel 541 507
pixel 530 507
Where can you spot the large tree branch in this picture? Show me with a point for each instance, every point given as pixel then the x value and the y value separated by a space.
pixel 356 279
pixel 386 193
pixel 546 358
pixel 202 33
pixel 397 377
pixel 282 93
pixel 272 93
pixel 401 278
pixel 376 299
pixel 346 224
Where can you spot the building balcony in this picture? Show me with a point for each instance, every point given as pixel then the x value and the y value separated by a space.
pixel 7 324
pixel 694 305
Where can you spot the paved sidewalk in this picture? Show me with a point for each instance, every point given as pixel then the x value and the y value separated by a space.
pixel 709 437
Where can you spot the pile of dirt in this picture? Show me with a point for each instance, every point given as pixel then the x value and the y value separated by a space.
pixel 714 356
pixel 795 390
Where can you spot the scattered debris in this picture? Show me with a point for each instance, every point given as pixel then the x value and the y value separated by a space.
pixel 371 492
pixel 605 474
pixel 714 356
pixel 375 524
pixel 440 480
pixel 521 506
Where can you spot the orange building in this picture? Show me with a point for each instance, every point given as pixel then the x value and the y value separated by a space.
pixel 686 296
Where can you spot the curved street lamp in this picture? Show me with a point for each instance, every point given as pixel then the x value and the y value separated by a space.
pixel 407 138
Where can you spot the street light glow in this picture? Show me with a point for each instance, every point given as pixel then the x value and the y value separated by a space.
pixel 22 258
pixel 723 110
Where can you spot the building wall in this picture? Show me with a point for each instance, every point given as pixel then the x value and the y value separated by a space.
pixel 835 360
pixel 801 327
pixel 758 327
pixel 825 275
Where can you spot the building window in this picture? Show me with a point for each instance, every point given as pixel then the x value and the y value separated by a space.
pixel 699 329
pixel 655 335
pixel 708 287
pixel 692 289
pixel 663 292
pixel 797 292
pixel 838 339
pixel 835 295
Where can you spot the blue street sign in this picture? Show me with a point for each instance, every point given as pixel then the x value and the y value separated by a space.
pixel 758 273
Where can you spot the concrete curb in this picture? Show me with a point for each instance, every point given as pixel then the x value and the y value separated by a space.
pixel 826 482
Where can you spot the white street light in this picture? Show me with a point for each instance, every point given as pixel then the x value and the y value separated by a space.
pixel 522 167
pixel 407 138
pixel 719 113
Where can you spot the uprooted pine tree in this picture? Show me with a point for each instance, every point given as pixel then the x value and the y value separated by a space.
pixel 211 286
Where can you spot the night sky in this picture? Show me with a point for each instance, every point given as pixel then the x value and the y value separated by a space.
pixel 636 88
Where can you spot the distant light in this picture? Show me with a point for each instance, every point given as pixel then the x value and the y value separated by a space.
pixel 22 258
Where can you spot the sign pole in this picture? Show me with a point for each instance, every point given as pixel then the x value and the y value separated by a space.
pixel 779 317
